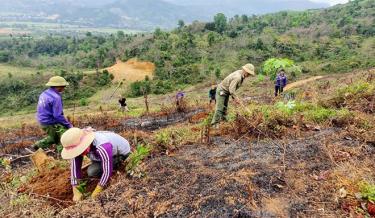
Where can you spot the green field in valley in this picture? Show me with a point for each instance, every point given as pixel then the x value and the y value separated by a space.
pixel 42 28
pixel 7 70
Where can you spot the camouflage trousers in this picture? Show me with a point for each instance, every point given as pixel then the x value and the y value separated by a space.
pixel 221 106
pixel 54 133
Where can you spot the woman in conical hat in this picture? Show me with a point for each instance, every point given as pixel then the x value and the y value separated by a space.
pixel 106 150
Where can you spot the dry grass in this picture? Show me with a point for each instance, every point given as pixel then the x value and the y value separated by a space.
pixel 273 176
pixel 278 206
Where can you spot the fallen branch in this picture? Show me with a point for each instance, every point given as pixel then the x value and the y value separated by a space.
pixel 28 155
pixel 51 198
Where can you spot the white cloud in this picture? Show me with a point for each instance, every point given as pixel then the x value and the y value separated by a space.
pixel 332 2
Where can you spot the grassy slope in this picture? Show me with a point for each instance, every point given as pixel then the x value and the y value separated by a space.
pixel 18 72
pixel 251 90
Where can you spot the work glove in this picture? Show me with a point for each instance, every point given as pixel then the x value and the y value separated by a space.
pixel 77 195
pixel 97 191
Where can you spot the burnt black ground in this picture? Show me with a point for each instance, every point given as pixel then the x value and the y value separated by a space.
pixel 153 123
pixel 270 178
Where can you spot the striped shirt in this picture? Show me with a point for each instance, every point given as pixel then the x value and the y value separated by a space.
pixel 105 146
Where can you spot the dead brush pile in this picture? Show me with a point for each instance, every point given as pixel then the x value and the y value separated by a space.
pixel 102 121
pixel 166 110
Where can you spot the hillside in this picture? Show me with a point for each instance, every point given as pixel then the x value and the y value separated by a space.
pixel 308 152
pixel 268 160
pixel 337 39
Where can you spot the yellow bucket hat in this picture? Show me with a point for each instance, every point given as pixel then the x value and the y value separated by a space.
pixel 57 81
pixel 249 68
pixel 75 141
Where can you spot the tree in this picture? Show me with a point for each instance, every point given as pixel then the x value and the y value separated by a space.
pixel 4 56
pixel 244 18
pixel 210 26
pixel 211 38
pixel 221 22
pixel 120 34
pixel 181 24
pixel 158 32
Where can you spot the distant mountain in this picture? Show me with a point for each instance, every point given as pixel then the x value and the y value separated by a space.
pixel 139 14
pixel 233 7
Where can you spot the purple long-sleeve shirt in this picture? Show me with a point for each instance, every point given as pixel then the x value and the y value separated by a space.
pixel 281 81
pixel 104 147
pixel 102 153
pixel 50 109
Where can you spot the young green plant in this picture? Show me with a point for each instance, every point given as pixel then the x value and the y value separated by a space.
pixel 135 159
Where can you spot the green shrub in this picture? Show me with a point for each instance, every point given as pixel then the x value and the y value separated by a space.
pixel 357 89
pixel 320 114
pixel 367 191
pixel 272 65
pixel 83 102
pixel 162 138
pixel 287 108
pixel 105 78
pixel 135 159
pixel 259 79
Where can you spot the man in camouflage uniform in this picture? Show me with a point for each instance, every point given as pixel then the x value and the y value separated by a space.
pixel 228 87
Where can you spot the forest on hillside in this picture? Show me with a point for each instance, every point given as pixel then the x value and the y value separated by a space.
pixel 337 39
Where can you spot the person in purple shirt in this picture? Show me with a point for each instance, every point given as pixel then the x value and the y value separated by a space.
pixel 180 100
pixel 50 113
pixel 106 150
pixel 280 82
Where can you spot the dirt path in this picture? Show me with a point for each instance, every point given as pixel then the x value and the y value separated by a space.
pixel 302 82
pixel 227 179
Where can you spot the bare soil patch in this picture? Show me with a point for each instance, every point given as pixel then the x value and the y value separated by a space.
pixel 132 70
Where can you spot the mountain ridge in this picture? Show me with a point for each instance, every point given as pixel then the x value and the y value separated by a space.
pixel 138 14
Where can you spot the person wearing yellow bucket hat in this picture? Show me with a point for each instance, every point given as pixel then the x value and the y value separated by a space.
pixel 228 87
pixel 106 150
pixel 50 113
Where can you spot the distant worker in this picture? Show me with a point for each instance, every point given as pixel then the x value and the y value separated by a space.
pixel 50 113
pixel 280 82
pixel 228 87
pixel 123 105
pixel 212 94
pixel 106 150
pixel 179 99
